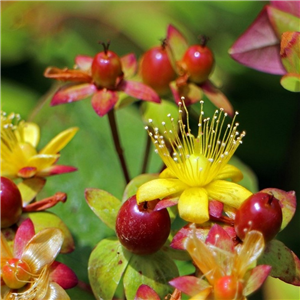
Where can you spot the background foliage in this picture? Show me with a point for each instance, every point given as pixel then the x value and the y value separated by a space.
pixel 35 35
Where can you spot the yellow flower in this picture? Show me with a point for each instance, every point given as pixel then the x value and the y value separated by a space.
pixel 19 157
pixel 197 167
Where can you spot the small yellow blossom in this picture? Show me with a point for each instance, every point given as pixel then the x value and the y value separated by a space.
pixel 19 156
pixel 197 166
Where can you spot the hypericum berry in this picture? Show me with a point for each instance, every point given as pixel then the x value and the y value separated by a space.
pixel 228 288
pixel 156 69
pixel 106 68
pixel 11 203
pixel 261 212
pixel 198 62
pixel 140 229
pixel 15 273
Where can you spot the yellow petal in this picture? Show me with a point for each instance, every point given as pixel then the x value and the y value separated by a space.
pixel 230 172
pixel 193 205
pixel 166 173
pixel 31 133
pixel 227 192
pixel 202 295
pixel 159 188
pixel 42 161
pixel 56 292
pixel 59 142
pixel 43 248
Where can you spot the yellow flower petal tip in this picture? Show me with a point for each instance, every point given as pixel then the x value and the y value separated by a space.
pixel 197 161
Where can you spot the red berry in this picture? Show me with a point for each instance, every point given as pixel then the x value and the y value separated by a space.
pixel 261 212
pixel 11 203
pixel 197 62
pixel 156 69
pixel 15 273
pixel 228 288
pixel 106 68
pixel 140 229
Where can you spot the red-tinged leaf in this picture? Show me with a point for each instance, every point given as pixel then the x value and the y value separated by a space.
pixel 290 51
pixel 27 172
pixel 258 46
pixel 63 275
pixel 215 208
pixel 139 91
pixel 129 65
pixel 29 188
pixel 73 92
pixel 190 285
pixel 24 233
pixel 218 237
pixel 103 101
pixel 46 203
pixel 178 241
pixel 84 63
pixel 176 45
pixel 67 75
pixel 257 277
pixel 291 82
pixel 145 292
pixel 190 93
pixel 104 205
pixel 56 169
pixel 282 21
pixel 217 97
pixel 166 203
pixel 291 7
pixel 285 264
pixel 287 201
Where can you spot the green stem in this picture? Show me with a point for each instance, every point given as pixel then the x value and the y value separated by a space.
pixel 146 155
pixel 119 150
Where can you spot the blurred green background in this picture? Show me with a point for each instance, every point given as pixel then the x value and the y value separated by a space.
pixel 35 35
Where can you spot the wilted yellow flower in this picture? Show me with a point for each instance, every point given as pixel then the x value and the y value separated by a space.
pixel 19 156
pixel 197 167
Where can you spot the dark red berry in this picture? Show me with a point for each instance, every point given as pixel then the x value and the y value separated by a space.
pixel 11 203
pixel 140 229
pixel 261 212
pixel 197 62
pixel 156 69
pixel 106 68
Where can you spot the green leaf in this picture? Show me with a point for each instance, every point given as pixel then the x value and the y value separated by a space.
pixel 104 205
pixel 43 220
pixel 106 266
pixel 154 270
pixel 288 204
pixel 29 188
pixel 285 264
pixel 291 82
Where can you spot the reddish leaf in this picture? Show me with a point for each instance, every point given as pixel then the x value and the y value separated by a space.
pixel 71 93
pixel 57 169
pixel 291 7
pixel 217 97
pixel 24 233
pixel 258 46
pixel 67 75
pixel 138 90
pixel 63 275
pixel 257 277
pixel 166 203
pixel 129 65
pixel 176 45
pixel 215 208
pixel 218 237
pixel 84 62
pixel 103 101
pixel 189 285
pixel 145 292
pixel 27 172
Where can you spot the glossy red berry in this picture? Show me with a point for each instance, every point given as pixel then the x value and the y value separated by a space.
pixel 140 229
pixel 106 68
pixel 156 69
pixel 197 62
pixel 11 203
pixel 15 273
pixel 228 288
pixel 261 212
